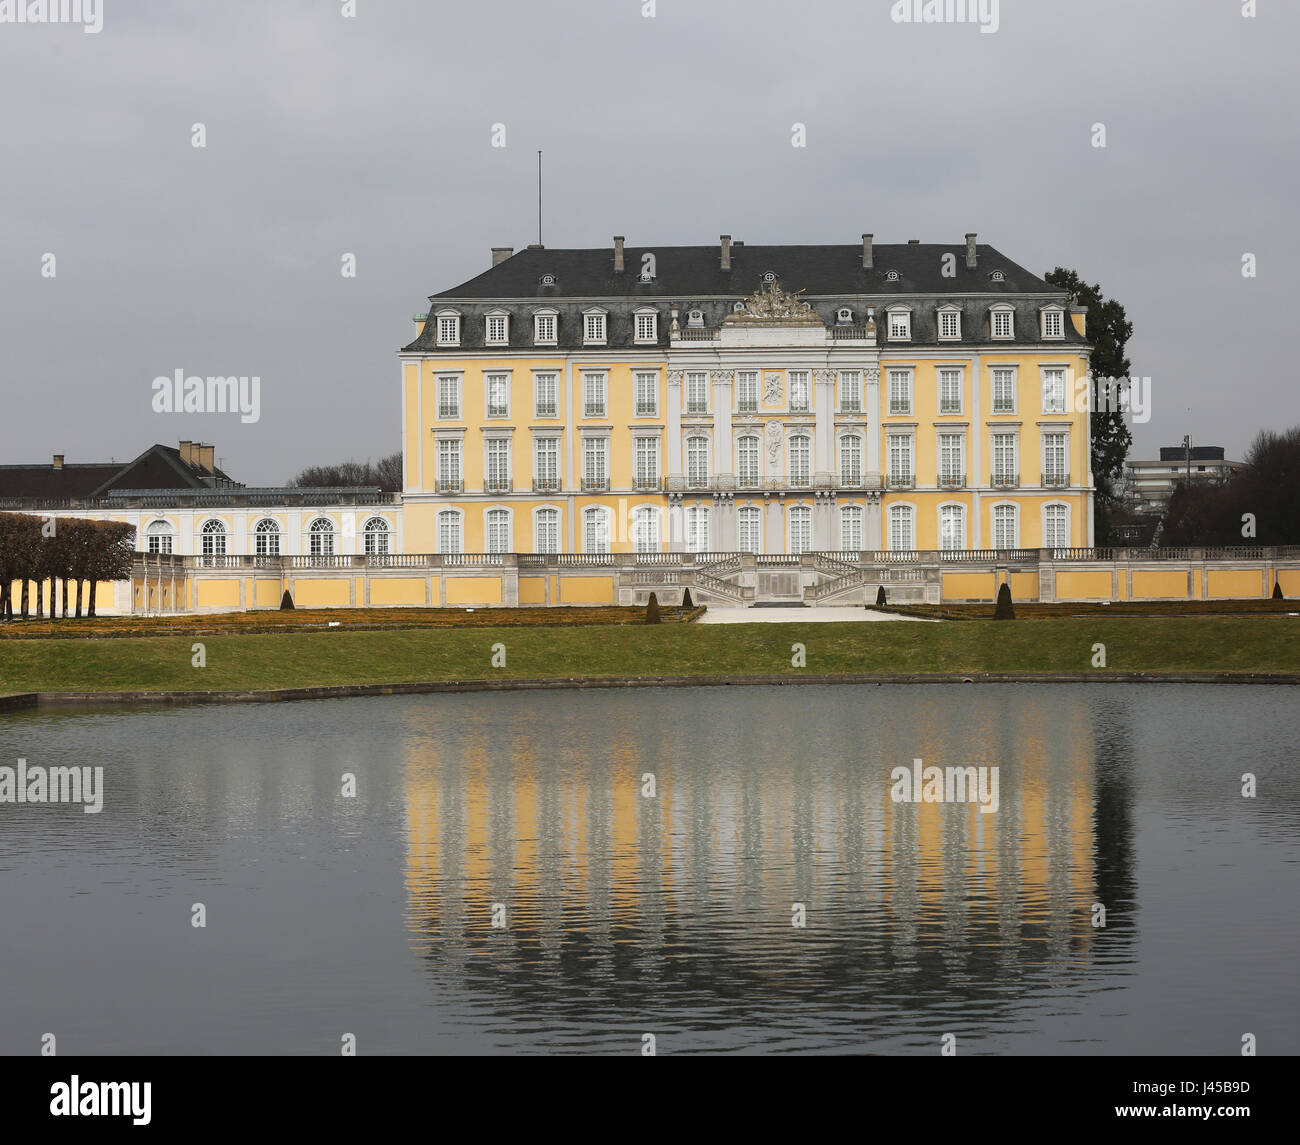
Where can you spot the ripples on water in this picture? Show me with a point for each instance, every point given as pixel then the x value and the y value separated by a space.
pixel 627 914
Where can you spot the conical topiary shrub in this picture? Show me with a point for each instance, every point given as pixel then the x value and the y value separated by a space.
pixel 687 602
pixel 1004 610
pixel 652 610
pixel 1277 590
pixel 880 596
pixel 286 601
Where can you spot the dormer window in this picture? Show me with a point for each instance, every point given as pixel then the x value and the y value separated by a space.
pixel 1053 318
pixel 1002 322
pixel 497 332
pixel 449 329
pixel 548 280
pixel 998 276
pixel 695 319
pixel 949 323
pixel 646 275
pixel 770 276
pixel 737 307
pixel 891 276
pixel 844 316
pixel 593 328
pixel 647 327
pixel 544 324
pixel 900 324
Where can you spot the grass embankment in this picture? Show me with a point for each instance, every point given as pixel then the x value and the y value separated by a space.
pixel 338 656
pixel 306 620
pixel 1062 609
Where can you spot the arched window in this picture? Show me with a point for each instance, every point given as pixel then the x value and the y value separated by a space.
pixel 320 537
pixel 159 537
pixel 645 529
pixel 902 537
pixel 595 530
pixel 546 531
pixel 213 539
pixel 1006 526
pixel 498 531
pixel 1056 526
pixel 747 462
pixel 266 538
pixel 800 529
pixel 449 531
pixel 697 529
pixel 749 528
pixel 851 528
pixel 952 527
pixel 376 537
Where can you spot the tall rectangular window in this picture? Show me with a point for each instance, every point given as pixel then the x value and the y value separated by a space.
pixel 697 392
pixel 697 461
pixel 498 395
pixel 449 398
pixel 697 529
pixel 448 330
pixel 498 465
pixel 496 329
pixel 545 391
pixel 747 391
pixel 544 329
pixel 949 324
pixel 645 529
pixel 902 473
pixel 952 461
pixel 747 461
pixel 1053 390
pixel 595 532
pixel 851 528
pixel 647 462
pixel 749 525
pixel 498 531
pixel 799 401
pixel 449 466
pixel 800 529
pixel 901 535
pixel 449 532
pixel 647 327
pixel 647 394
pixel 799 451
pixel 900 325
pixel 595 463
pixel 952 528
pixel 1005 527
pixel 1054 459
pixel 1053 324
pixel 1002 323
pixel 594 328
pixel 950 391
pixel 1006 469
pixel 850 391
pixel 1004 390
pixel 900 391
pixel 546 463
pixel 593 395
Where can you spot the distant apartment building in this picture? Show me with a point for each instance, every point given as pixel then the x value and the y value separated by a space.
pixel 1152 482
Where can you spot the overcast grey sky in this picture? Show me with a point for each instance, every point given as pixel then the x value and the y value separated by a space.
pixel 372 135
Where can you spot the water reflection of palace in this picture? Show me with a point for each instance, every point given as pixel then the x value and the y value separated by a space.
pixel 547 816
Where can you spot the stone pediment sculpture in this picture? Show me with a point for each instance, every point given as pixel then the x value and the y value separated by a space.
pixel 772 306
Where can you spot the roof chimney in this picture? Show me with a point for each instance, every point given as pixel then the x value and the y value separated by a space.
pixel 204 456
pixel 971 260
pixel 58 461
pixel 501 253
pixel 618 254
pixel 187 452
pixel 726 251
pixel 867 262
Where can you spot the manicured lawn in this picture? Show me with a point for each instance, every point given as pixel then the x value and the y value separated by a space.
pixel 337 656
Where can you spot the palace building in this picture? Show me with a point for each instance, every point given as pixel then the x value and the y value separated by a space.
pixel 749 399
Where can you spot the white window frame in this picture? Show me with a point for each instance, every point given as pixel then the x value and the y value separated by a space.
pixel 857 514
pixel 444 517
pixel 899 511
pixel 907 376
pixel 898 322
pixel 640 542
pixel 643 315
pixel 553 515
pixel 1053 330
pixel 946 314
pixel 894 475
pixel 490 379
pixel 447 447
pixel 1014 373
pixel 595 382
pixel 747 513
pixel 743 479
pixel 261 533
pixel 799 390
pixel 1002 311
pixel 504 319
pixel 497 445
pixel 993 525
pixel 447 327
pixel 962 515
pixel 554 378
pixel 695 381
pixel 160 531
pixel 799 476
pixel 595 327
pixel 595 447
pixel 552 481
pixel 1045 470
pixel 946 473
pixel 694 516
pixel 639 383
pixel 538 317
pixel 850 387
pixel 1000 475
pixel 744 379
pixel 854 442
pixel 454 383
pixel 1064 373
pixel 644 446
pixel 376 541
pixel 805 516
pixel 601 541
pixel 940 374
pixel 1048 543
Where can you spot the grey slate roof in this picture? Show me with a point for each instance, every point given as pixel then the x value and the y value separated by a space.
pixel 158 467
pixel 692 277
